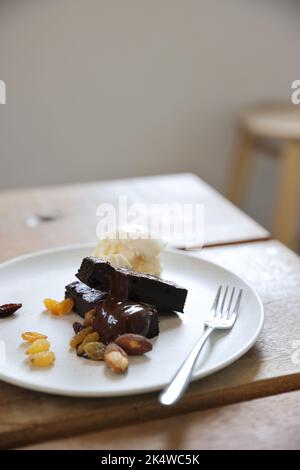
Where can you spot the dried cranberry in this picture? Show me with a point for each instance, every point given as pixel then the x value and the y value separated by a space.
pixel 7 310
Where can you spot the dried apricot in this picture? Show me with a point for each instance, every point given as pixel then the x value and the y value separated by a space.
pixel 31 336
pixel 59 308
pixel 39 345
pixel 43 359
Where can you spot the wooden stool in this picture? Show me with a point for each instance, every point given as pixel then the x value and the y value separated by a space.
pixel 261 124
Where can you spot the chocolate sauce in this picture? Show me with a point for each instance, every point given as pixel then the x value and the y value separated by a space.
pixel 117 315
pixel 166 296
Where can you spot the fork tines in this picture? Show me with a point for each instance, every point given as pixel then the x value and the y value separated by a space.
pixel 223 307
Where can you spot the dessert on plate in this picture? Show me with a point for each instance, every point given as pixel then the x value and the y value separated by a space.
pixel 119 300
pixel 120 297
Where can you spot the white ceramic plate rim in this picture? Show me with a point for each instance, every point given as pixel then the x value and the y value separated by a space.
pixel 158 386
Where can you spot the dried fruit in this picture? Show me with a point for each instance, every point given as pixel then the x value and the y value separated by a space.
pixel 94 350
pixel 134 345
pixel 31 336
pixel 59 308
pixel 51 305
pixel 79 350
pixel 43 359
pixel 38 346
pixel 116 358
pixel 7 310
pixel 91 337
pixel 77 326
pixel 65 306
pixel 89 317
pixel 88 339
pixel 79 337
pixel 38 349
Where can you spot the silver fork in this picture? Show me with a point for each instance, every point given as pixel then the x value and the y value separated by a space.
pixel 221 317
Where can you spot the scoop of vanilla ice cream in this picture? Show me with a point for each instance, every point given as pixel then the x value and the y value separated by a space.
pixel 118 261
pixel 133 247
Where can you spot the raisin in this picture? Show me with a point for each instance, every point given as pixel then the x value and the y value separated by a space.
pixel 31 336
pixel 94 350
pixel 89 317
pixel 51 305
pixel 79 337
pixel 77 326
pixel 38 346
pixel 94 336
pixel 59 308
pixel 89 338
pixel 43 359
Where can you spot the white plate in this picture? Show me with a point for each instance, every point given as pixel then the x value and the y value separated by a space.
pixel 29 279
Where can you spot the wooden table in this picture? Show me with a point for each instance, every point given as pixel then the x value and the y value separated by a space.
pixel 247 387
pixel 73 209
pixel 265 423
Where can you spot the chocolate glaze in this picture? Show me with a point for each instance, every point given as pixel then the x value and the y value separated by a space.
pixel 117 315
pixel 166 296
pixel 115 318
pixel 85 298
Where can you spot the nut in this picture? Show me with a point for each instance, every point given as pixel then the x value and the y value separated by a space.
pixel 89 317
pixel 7 310
pixel 134 345
pixel 94 350
pixel 31 336
pixel 116 358
pixel 79 337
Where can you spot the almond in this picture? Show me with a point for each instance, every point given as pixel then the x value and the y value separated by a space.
pixel 7 310
pixel 116 358
pixel 134 345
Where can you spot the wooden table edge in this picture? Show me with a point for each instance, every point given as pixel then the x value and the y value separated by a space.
pixel 147 411
pixel 267 238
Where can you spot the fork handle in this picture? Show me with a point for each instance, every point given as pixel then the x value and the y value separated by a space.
pixel 174 391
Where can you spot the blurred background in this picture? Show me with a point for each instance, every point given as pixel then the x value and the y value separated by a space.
pixel 102 89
